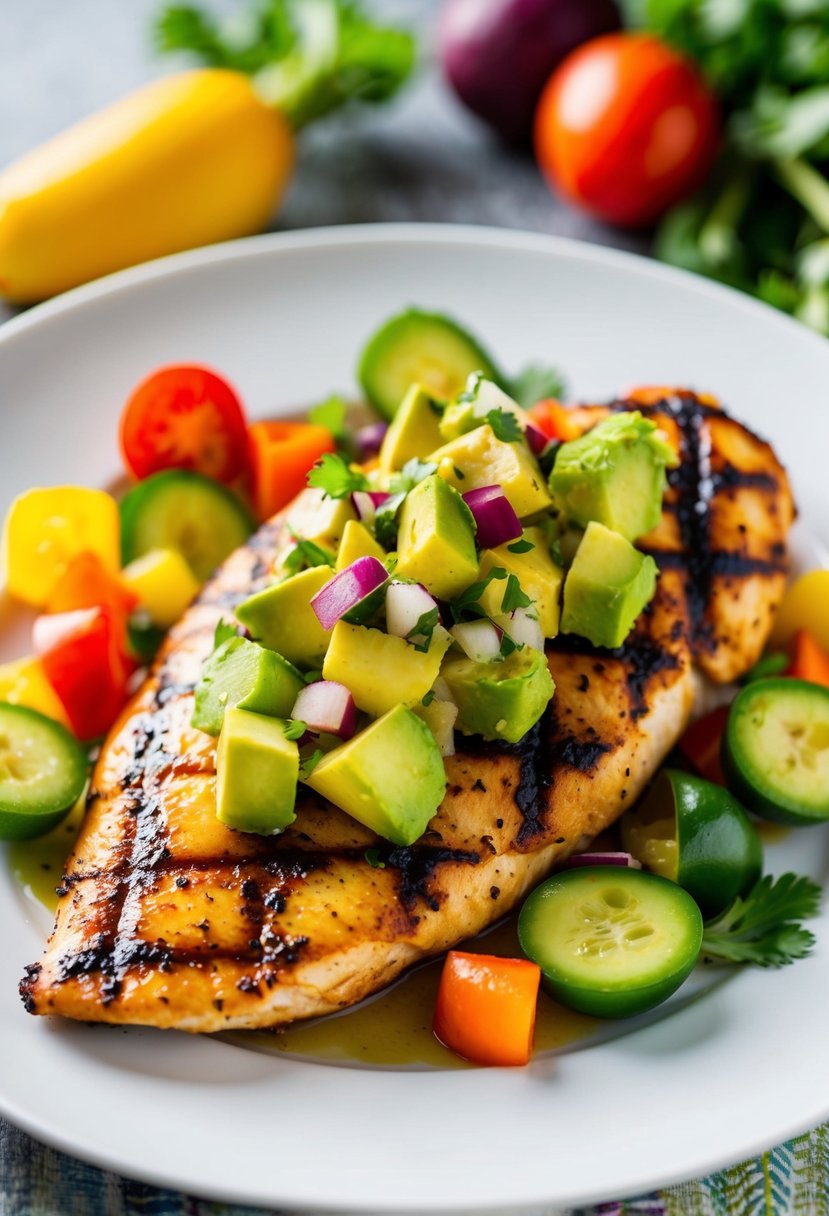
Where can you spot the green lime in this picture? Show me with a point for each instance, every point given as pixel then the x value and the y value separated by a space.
pixel 43 771
pixel 698 835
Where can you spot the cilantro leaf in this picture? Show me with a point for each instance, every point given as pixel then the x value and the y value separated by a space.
pixel 331 414
pixel 310 763
pixel 385 520
pixel 294 729
pixel 470 392
pixel 305 554
pixel 428 698
pixel 335 477
pixel 468 599
pixel 535 382
pixel 374 859
pixel 508 646
pixel 763 927
pixel 514 597
pixel 505 426
pixel 420 635
pixel 413 472
pixel 521 546
pixel 223 633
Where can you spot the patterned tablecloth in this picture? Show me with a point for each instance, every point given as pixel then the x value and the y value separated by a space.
pixel 423 159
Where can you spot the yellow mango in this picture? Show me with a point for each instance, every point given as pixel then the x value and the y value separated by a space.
pixel 24 682
pixel 186 160
pixel 46 528
pixel 164 584
pixel 804 606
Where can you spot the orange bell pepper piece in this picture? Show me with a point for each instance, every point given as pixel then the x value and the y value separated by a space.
pixel 281 455
pixel 87 583
pixel 809 660
pixel 700 745
pixel 485 1009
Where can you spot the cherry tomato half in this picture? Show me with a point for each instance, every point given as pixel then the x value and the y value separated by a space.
pixel 184 417
pixel 625 128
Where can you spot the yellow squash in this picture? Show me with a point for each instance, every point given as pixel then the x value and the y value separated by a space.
pixel 184 161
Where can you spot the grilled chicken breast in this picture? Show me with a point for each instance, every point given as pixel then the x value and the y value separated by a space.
pixel 168 918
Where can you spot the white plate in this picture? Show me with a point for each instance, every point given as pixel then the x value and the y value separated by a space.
pixel 741 1068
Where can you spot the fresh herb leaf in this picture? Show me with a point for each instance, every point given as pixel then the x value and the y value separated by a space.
pixel 763 927
pixel 385 520
pixel 420 635
pixel 505 426
pixel 335 477
pixel 223 633
pixel 413 472
pixel 470 392
pixel 508 646
pixel 294 729
pixel 468 599
pixel 331 414
pixel 429 698
pixel 374 859
pixel 556 554
pixel 310 763
pixel 514 597
pixel 521 546
pixel 536 383
pixel 306 554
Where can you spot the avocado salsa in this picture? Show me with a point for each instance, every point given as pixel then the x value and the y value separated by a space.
pixel 419 592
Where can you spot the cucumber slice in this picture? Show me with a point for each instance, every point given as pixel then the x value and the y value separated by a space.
pixel 187 512
pixel 43 772
pixel 611 942
pixel 417 347
pixel 775 750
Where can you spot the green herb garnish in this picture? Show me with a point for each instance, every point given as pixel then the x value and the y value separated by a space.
pixel 763 927
pixel 420 635
pixel 521 546
pixel 306 553
pixel 310 763
pixel 505 426
pixel 514 597
pixel 468 600
pixel 335 477
pixel 429 698
pixel 294 729
pixel 374 859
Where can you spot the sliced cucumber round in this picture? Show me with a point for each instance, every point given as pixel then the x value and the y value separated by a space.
pixel 775 750
pixel 611 942
pixel 187 512
pixel 417 347
pixel 43 771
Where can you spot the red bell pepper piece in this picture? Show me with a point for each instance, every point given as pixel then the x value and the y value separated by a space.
pixel 82 654
pixel 700 745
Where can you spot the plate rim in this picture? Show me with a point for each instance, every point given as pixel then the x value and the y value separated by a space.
pixel 351 236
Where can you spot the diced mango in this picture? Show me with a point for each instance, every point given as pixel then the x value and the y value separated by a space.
pixel 164 584
pixel 381 670
pixel 479 459
pixel 357 542
pixel 540 578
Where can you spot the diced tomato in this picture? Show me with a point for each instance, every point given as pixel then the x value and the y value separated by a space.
pixel 184 417
pixel 87 583
pixel 486 1007
pixel 281 455
pixel 700 745
pixel 82 655
pixel 809 660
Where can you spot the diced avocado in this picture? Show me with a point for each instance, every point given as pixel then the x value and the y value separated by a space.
pixel 615 475
pixel 390 777
pixel 382 670
pixel 539 576
pixel 314 517
pixel 257 770
pixel 608 585
pixel 469 410
pixel 499 700
pixel 417 347
pixel 436 539
pixel 357 542
pixel 440 717
pixel 413 433
pixel 281 617
pixel 479 459
pixel 241 673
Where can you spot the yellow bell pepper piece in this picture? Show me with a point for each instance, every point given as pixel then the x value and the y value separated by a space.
pixel 186 160
pixel 24 682
pixel 804 606
pixel 164 584
pixel 45 529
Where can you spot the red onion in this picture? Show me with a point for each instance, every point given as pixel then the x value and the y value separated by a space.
pixel 479 640
pixel 523 628
pixel 347 589
pixel 406 603
pixel 326 707
pixel 495 519
pixel 536 439
pixel 369 438
pixel 366 502
pixel 499 54
pixel 601 859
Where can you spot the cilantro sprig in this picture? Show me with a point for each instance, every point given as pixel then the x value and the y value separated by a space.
pixel 420 635
pixel 505 426
pixel 385 520
pixel 514 597
pixel 764 926
pixel 305 554
pixel 468 600
pixel 334 476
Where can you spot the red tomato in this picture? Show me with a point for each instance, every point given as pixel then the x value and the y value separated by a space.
pixel 82 654
pixel 625 128
pixel 184 417
pixel 485 1010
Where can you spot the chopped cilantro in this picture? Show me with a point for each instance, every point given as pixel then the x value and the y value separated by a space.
pixel 521 546
pixel 294 729
pixel 429 698
pixel 508 646
pixel 413 472
pixel 505 426
pixel 308 765
pixel 468 599
pixel 306 553
pixel 334 476
pixel 420 635
pixel 374 859
pixel 514 597
pixel 470 393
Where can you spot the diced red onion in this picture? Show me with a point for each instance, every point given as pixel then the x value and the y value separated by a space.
pixel 326 707
pixel 536 439
pixel 406 603
pixel 366 502
pixel 479 640
pixel 601 859
pixel 52 628
pixel 346 589
pixel 524 629
pixel 495 519
pixel 369 438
